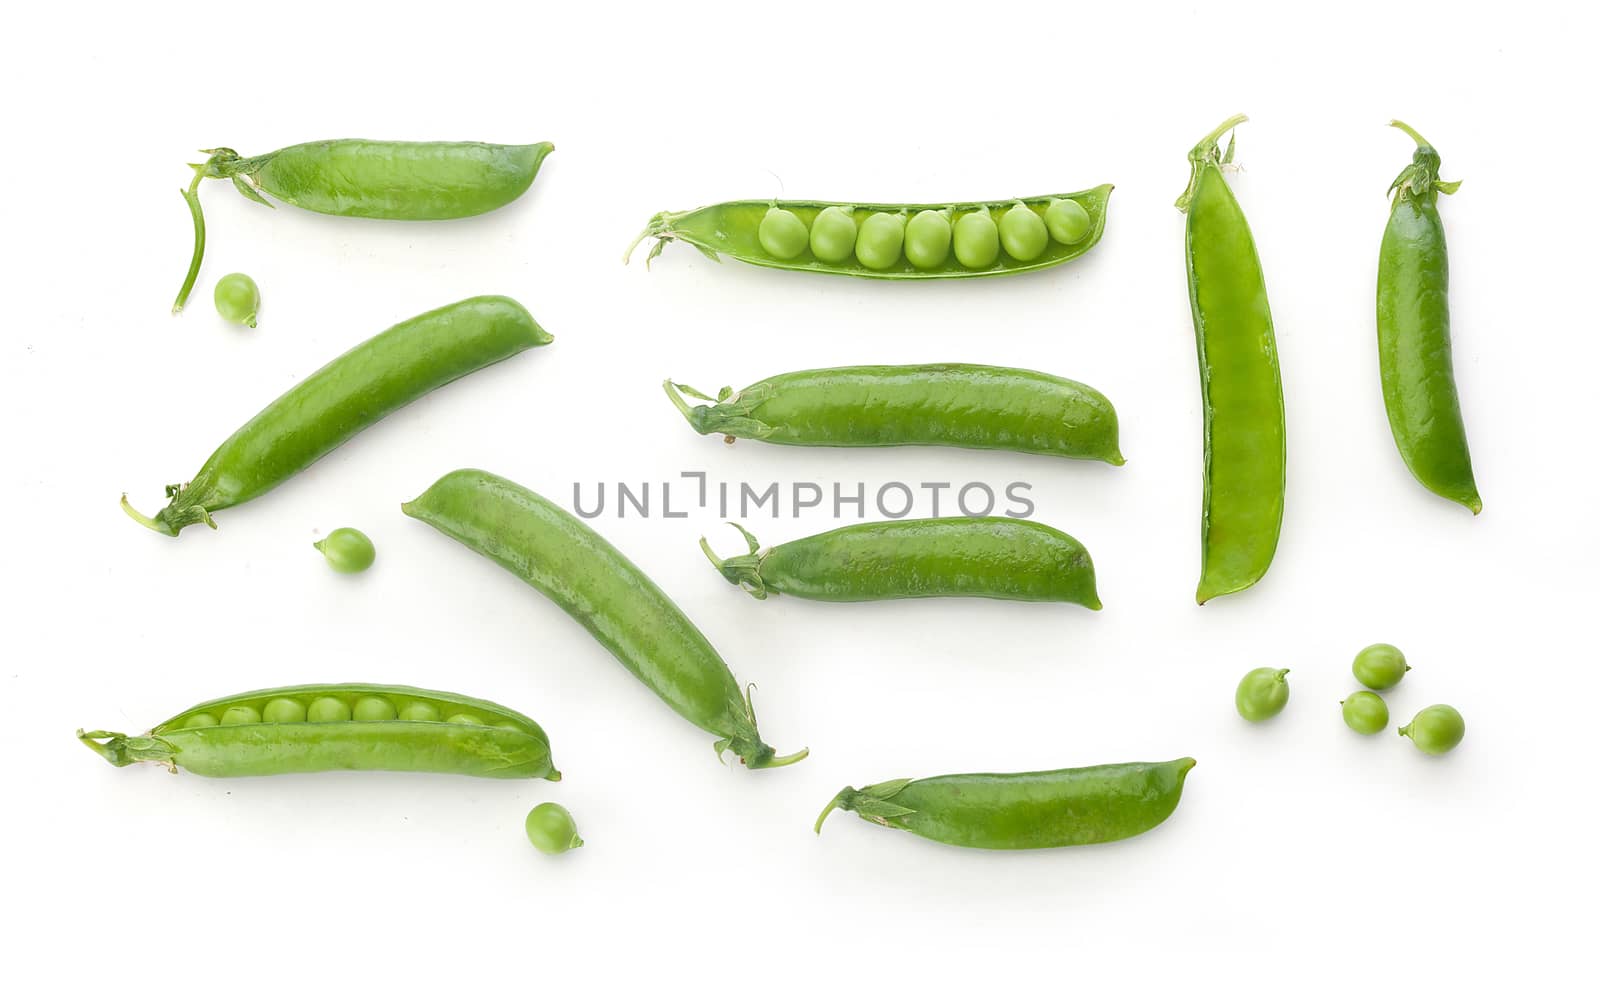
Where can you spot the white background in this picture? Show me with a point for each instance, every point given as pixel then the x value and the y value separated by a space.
pixel 1301 853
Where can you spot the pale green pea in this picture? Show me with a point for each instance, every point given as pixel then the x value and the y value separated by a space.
pixel 200 720
pixel 878 244
pixel 348 550
pixel 1436 729
pixel 237 298
pixel 976 240
pixel 373 709
pixel 238 714
pixel 1262 693
pixel 283 711
pixel 421 712
pixel 1068 221
pixel 465 719
pixel 833 235
pixel 328 709
pixel 551 830
pixel 1365 713
pixel 928 239
pixel 1380 666
pixel 1023 234
pixel 782 234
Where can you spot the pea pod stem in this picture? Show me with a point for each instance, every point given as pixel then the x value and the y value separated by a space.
pixel 191 196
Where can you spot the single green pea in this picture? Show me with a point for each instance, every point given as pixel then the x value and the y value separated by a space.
pixel 373 709
pixel 551 830
pixel 977 240
pixel 1067 220
pixel 878 244
pixel 347 550
pixel 782 234
pixel 1262 693
pixel 237 298
pixel 1023 234
pixel 465 719
pixel 237 714
pixel 420 712
pixel 833 235
pixel 1365 712
pixel 283 711
pixel 328 710
pixel 1436 729
pixel 200 720
pixel 1380 666
pixel 928 239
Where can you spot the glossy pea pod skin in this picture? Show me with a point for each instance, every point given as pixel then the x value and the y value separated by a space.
pixel 1414 355
pixel 947 405
pixel 1027 811
pixel 981 557
pixel 422 730
pixel 734 228
pixel 606 593
pixel 343 398
pixel 1241 389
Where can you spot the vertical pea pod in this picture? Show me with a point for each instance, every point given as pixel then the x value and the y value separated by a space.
pixel 1414 362
pixel 1241 391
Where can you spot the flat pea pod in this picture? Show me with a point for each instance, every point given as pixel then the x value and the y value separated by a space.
pixel 343 398
pixel 309 728
pixel 606 593
pixel 734 229
pixel 945 405
pixel 1241 391
pixel 979 557
pixel 385 180
pixel 1414 354
pixel 1027 811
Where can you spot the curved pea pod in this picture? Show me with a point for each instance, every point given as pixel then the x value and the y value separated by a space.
pixel 607 594
pixel 734 229
pixel 339 727
pixel 385 180
pixel 1031 810
pixel 948 405
pixel 343 398
pixel 981 557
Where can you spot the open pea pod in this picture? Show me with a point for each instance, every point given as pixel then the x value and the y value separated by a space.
pixel 892 240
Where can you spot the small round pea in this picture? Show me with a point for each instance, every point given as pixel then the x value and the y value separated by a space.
pixel 878 244
pixel 237 714
pixel 420 712
pixel 1068 221
pixel 976 240
pixel 465 719
pixel 327 709
pixel 1365 712
pixel 551 830
pixel 782 234
pixel 347 550
pixel 373 709
pixel 237 298
pixel 1023 234
pixel 833 235
pixel 928 239
pixel 283 710
pixel 200 720
pixel 1380 666
pixel 1262 693
pixel 1436 729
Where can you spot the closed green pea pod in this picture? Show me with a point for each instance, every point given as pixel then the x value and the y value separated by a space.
pixel 928 239
pixel 1023 233
pixel 879 241
pixel 977 240
pixel 783 234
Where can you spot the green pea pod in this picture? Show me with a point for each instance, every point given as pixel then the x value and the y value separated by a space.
pixel 1241 392
pixel 607 594
pixel 983 557
pixel 385 180
pixel 1414 361
pixel 946 405
pixel 341 727
pixel 343 398
pixel 1026 811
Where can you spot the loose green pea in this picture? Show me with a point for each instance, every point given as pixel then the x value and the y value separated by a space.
pixel 373 709
pixel 1380 666
pixel 551 830
pixel 237 714
pixel 1365 713
pixel 928 239
pixel 237 298
pixel 1068 221
pixel 1262 693
pixel 977 240
pixel 283 711
pixel 782 234
pixel 200 720
pixel 465 719
pixel 1435 730
pixel 878 244
pixel 1023 234
pixel 347 550
pixel 833 235
pixel 420 712
pixel 328 710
